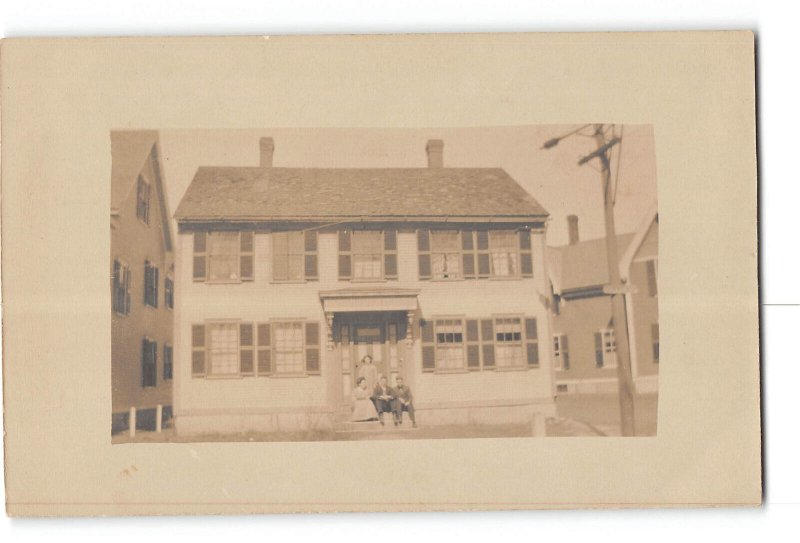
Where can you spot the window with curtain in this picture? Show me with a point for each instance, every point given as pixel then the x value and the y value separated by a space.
pixel 289 343
pixel 504 251
pixel 223 256
pixel 508 342
pixel 446 254
pixel 223 348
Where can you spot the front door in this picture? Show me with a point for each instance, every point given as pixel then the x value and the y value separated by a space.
pixel 379 340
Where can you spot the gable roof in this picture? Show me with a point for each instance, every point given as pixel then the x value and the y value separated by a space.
pixel 245 193
pixel 130 151
pixel 641 233
pixel 582 265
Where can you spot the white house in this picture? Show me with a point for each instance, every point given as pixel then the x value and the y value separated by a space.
pixel 287 277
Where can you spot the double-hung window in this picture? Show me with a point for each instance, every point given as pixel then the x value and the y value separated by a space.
pixel 449 344
pixel 654 338
pixel 288 347
pixel 367 254
pixel 504 251
pixel 446 254
pixel 605 345
pixel 508 342
pixel 169 292
pixel 288 253
pixel 167 361
pixel 150 284
pixel 560 352
pixel 121 295
pixel 149 363
pixel 223 257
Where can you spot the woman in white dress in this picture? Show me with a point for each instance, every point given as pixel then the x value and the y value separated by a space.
pixel 369 372
pixel 363 408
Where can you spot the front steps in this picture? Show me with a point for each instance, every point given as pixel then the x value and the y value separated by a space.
pixel 374 427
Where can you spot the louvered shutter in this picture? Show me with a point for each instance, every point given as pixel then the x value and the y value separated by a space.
pixel 127 271
pixel 424 254
pixel 487 343
pixel 468 254
pixel 598 350
pixel 246 348
pixel 390 254
pixel 428 346
pixel 198 350
pixel 525 254
pixel 310 251
pixel 312 348
pixel 564 352
pixel 532 342
pixel 473 346
pixel 199 260
pixel 264 349
pixel 345 258
pixel 484 266
pixel 246 255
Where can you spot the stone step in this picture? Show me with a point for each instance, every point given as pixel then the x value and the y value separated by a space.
pixel 373 426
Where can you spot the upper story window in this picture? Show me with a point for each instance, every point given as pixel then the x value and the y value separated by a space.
pixel 469 254
pixel 367 255
pixel 121 289
pixel 294 256
pixel 169 292
pixel 150 284
pixel 143 200
pixel 223 257
pixel 446 255
pixel 655 343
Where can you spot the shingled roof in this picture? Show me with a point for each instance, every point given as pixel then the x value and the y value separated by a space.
pixel 245 193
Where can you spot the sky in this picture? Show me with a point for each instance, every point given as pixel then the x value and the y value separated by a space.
pixel 551 176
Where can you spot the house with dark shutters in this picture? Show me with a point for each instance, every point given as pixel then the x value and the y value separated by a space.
pixel 287 278
pixel 584 340
pixel 142 282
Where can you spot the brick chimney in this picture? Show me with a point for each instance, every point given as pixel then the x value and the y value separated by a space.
pixel 572 224
pixel 435 150
pixel 267 148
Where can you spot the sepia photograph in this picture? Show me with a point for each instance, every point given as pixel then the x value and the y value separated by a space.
pixel 360 284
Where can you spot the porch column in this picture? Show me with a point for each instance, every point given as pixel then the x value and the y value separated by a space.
pixel 329 321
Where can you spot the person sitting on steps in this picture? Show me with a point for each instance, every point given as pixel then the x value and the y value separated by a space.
pixel 384 397
pixel 403 401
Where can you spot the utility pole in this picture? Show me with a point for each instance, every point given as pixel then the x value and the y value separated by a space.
pixel 616 288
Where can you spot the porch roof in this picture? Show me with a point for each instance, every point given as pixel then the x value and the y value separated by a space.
pixel 355 299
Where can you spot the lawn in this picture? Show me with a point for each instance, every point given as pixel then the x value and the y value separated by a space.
pixel 600 412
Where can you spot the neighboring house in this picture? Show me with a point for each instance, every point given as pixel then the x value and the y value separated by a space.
pixel 142 282
pixel 288 277
pixel 584 341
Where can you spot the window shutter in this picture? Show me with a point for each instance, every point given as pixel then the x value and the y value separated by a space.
pixel 487 343
pixel 146 282
pixel 246 348
pixel 598 349
pixel 532 342
pixel 484 268
pixel 564 352
pixel 199 262
pixel 468 254
pixel 652 283
pixel 654 333
pixel 473 346
pixel 345 259
pixel 390 254
pixel 428 346
pixel 246 254
pixel 198 350
pixel 312 348
pixel 155 287
pixel 127 290
pixel 525 254
pixel 264 350
pixel 116 286
pixel 424 252
pixel 310 262
pixel 145 361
